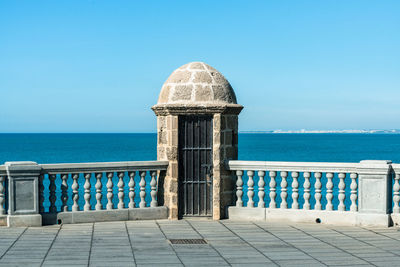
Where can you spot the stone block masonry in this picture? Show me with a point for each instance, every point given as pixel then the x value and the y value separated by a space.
pixel 198 89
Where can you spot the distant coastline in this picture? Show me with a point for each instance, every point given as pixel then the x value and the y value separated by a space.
pixel 303 131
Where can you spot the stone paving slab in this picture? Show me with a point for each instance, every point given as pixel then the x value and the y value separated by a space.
pixel 229 243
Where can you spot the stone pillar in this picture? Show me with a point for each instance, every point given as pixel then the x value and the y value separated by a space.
pixel 23 188
pixel 375 192
pixel 225 147
pixel 167 149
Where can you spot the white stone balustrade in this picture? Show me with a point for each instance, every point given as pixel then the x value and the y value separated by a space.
pixel 337 193
pixel 315 191
pixel 111 182
pixel 292 170
pixel 88 192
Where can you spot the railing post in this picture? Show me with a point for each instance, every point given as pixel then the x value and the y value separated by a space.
pixel 3 216
pixel 23 209
pixel 374 191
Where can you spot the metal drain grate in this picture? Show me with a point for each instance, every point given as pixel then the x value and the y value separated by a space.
pixel 187 241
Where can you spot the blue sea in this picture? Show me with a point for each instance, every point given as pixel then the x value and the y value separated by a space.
pixel 59 148
pixel 67 148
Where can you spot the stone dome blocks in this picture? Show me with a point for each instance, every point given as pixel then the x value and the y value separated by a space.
pixel 197 83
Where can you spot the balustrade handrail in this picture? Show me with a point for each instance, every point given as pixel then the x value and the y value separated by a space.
pixel 61 168
pixel 396 167
pixel 292 166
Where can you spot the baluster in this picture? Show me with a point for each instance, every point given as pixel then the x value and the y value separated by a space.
pixel 353 192
pixel 307 186
pixel 2 195
pixel 396 194
pixel 272 188
pixel 110 194
pixel 342 195
pixel 99 195
pixel 250 189
pixel 75 195
pixel 86 195
pixel 153 186
pixel 295 190
pixel 284 190
pixel 52 195
pixel 329 187
pixel 121 193
pixel 261 192
pixel 142 193
pixel 132 190
pixel 239 189
pixel 318 187
pixel 41 194
pixel 64 192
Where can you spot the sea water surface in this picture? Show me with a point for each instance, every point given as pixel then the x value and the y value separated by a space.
pixel 59 148
pixel 67 148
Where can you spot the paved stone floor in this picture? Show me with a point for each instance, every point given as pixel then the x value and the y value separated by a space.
pixel 145 243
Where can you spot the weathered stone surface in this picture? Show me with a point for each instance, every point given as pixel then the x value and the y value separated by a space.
pixel 172 153
pixel 232 122
pixel 180 76
pixel 217 122
pixel 161 122
pixel 228 183
pixel 174 170
pixel 161 153
pixel 202 77
pixel 228 137
pixel 221 94
pixel 162 137
pixel 173 188
pixel 230 153
pixel 202 92
pixel 164 95
pixel 197 66
pixel 172 123
pixel 173 138
pixel 173 213
pixel 218 77
pixel 182 92
pixel 214 87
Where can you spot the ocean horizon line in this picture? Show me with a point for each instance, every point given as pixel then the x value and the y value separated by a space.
pixel 395 131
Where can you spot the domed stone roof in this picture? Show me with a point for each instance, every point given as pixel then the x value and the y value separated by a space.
pixel 196 83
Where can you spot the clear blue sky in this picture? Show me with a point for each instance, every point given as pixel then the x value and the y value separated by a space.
pixel 98 66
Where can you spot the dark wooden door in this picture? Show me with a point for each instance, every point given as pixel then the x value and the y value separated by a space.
pixel 195 165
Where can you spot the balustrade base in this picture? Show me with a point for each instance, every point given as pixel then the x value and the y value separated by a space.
pixel 3 220
pixel 248 214
pixel 373 219
pixel 24 220
pixel 154 213
pixel 309 216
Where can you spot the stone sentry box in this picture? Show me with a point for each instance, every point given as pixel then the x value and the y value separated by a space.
pixel 197 89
